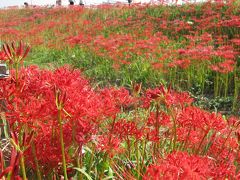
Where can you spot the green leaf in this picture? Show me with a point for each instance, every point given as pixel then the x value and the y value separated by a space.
pixel 81 170
pixel 109 177
pixel 110 172
pixel 87 149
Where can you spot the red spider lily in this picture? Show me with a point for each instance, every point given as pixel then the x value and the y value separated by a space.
pixel 180 165
pixel 136 88
pixel 167 97
pixel 236 41
pixel 116 98
pixel 157 65
pixel 15 54
pixel 224 146
pixel 109 144
pixel 189 136
pixel 155 94
pixel 224 67
pixel 152 135
pixel 126 130
pixel 163 118
pixel 226 52
pixel 196 118
pixel 180 63
pixel 233 121
pixel 3 56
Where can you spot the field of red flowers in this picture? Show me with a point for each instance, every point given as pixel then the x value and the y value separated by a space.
pixel 121 92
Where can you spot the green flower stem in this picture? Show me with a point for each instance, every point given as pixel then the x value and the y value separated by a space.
pixel 157 125
pixel 189 74
pixel 226 86
pixel 36 161
pixel 62 144
pixel 199 146
pixel 174 130
pixel 79 163
pixel 138 160
pixel 216 85
pixel 203 76
pixel 186 140
pixel 222 147
pixel 9 177
pixel 143 152
pixel 22 164
pixel 236 92
pixel 174 134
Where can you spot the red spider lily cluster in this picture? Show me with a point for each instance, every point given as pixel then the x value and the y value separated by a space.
pixel 33 105
pixel 53 115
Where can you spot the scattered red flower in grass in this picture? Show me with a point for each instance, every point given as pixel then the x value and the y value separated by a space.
pixel 224 67
pixel 236 41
